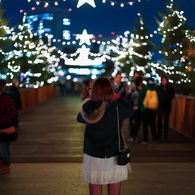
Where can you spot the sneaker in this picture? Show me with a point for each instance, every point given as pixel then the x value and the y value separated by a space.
pixel 5 169
pixel 144 143
pixel 132 139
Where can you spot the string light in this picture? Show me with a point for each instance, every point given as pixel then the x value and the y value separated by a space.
pixel 14 55
pixel 46 3
pixel 41 51
pixel 81 2
pixel 122 4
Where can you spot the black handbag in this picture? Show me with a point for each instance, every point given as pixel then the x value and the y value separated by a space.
pixel 124 153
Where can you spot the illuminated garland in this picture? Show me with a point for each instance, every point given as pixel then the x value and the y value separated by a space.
pixel 129 46
pixel 81 56
pixel 39 50
pixel 56 2
pixel 189 36
pixel 113 44
pixel 13 37
pixel 122 4
pixel 154 67
pixel 46 3
pixel 163 30
pixel 142 37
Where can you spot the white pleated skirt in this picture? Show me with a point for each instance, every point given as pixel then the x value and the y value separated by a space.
pixel 104 170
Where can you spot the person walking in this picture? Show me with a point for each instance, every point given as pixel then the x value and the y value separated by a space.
pixel 7 111
pixel 130 97
pixel 149 99
pixel 167 94
pixel 119 86
pixel 99 113
pixel 15 95
pixel 135 120
pixel 136 74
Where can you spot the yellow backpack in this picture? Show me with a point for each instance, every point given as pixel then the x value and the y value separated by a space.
pixel 151 100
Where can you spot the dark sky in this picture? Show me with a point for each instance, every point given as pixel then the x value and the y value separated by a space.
pixel 105 18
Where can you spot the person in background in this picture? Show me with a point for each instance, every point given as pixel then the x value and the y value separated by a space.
pixel 132 87
pixel 77 87
pixel 167 94
pixel 7 111
pixel 149 114
pixel 15 96
pixel 131 99
pixel 135 120
pixel 62 87
pixel 85 88
pixel 135 75
pixel 99 113
pixel 119 87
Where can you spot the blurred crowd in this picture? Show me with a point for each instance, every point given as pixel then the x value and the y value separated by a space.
pixel 155 118
pixel 151 103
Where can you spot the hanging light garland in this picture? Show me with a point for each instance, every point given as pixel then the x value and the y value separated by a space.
pixel 177 47
pixel 46 3
pixel 81 2
pixel 115 48
pixel 40 50
pixel 122 4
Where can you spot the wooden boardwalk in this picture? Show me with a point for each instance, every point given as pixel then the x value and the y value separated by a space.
pixel 47 157
pixel 50 133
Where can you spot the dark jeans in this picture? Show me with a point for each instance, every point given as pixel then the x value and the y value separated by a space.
pixel 134 123
pixel 5 155
pixel 163 113
pixel 149 119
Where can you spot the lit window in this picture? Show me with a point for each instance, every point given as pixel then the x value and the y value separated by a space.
pixel 47 17
pixel 47 29
pixel 66 21
pixel 66 34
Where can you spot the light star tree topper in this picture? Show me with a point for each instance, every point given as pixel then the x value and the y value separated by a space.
pixel 90 2
pixel 84 37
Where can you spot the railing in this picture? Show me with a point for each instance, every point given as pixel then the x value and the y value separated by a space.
pixel 182 116
pixel 32 97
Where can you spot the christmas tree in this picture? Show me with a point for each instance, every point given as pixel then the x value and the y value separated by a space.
pixel 134 52
pixel 4 42
pixel 175 45
pixel 31 61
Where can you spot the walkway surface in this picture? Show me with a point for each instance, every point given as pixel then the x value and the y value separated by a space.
pixel 47 157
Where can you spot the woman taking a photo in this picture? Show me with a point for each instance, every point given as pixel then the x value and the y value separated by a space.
pixel 99 112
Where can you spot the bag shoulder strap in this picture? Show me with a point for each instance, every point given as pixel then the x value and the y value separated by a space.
pixel 120 130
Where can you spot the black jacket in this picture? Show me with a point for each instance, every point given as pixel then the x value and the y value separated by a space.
pixel 167 93
pixel 15 95
pixel 101 133
pixel 120 90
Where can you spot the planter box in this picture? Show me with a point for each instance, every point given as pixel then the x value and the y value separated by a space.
pixel 32 97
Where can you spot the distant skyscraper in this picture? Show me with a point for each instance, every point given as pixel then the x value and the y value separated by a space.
pixel 51 22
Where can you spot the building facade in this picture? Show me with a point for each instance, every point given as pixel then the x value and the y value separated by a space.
pixel 52 23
